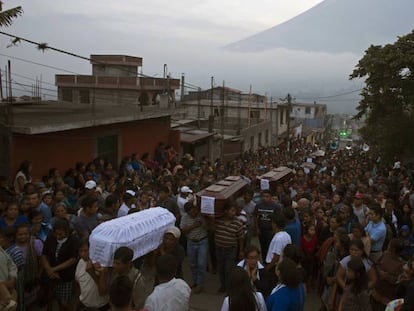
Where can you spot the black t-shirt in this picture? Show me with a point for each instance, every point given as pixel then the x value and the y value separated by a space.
pixel 68 250
pixel 263 211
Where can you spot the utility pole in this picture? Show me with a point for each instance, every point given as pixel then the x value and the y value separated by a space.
pixel 289 107
pixel 222 124
pixel 198 107
pixel 211 117
pixel 1 88
pixel 249 110
pixel 6 126
pixel 182 89
pixel 10 103
pixel 239 114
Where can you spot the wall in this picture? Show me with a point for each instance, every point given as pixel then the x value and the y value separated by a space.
pixel 63 149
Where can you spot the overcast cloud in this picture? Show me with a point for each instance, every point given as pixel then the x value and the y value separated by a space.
pixel 187 35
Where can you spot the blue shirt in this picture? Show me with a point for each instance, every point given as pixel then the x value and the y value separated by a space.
pixel 46 212
pixel 294 229
pixel 21 219
pixel 287 299
pixel 377 233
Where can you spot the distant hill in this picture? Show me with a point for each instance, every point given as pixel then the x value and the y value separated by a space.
pixel 336 26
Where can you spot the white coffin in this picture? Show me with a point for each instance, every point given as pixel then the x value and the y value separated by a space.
pixel 141 231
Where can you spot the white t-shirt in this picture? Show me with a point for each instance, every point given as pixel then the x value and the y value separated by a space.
pixel 89 293
pixel 277 245
pixel 171 296
pixel 180 203
pixel 123 210
pixel 261 304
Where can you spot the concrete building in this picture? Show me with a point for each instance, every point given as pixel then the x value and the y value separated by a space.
pixel 110 114
pixel 116 80
pixel 313 118
pixel 59 135
pixel 247 115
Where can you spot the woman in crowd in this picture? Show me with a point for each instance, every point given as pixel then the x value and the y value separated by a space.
pixel 23 176
pixel 60 212
pixel 330 263
pixel 355 296
pixel 28 280
pixel 389 268
pixel 60 254
pixel 289 294
pixel 258 275
pixel 11 216
pixel 358 232
pixel 241 293
pixel 356 250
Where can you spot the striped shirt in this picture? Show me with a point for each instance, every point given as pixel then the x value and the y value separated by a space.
pixel 228 234
pixel 17 255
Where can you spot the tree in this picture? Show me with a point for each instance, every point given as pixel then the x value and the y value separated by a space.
pixel 388 97
pixel 7 16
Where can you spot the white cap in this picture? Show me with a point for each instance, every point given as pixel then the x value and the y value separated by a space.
pixel 90 184
pixel 186 189
pixel 174 231
pixel 131 192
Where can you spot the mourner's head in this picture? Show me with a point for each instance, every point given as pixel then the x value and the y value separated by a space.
pixel 229 209
pixel 120 293
pixel 122 262
pixel 278 222
pixel 191 209
pixel 171 237
pixel 166 266
pixel 266 196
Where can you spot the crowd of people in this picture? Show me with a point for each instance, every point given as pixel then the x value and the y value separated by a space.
pixel 341 227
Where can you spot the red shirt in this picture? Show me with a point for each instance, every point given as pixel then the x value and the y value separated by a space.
pixel 309 246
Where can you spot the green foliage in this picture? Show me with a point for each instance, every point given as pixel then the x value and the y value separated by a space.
pixel 388 96
pixel 7 16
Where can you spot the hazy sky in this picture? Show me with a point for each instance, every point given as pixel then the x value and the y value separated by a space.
pixel 187 35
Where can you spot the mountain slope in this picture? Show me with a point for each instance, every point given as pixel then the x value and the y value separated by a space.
pixel 336 26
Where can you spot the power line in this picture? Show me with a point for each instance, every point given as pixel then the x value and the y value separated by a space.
pixel 45 46
pixel 31 79
pixel 39 64
pixel 336 95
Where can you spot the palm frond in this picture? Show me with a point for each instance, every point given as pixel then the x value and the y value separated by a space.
pixel 6 17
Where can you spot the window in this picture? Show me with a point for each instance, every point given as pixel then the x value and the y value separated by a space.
pixel 67 95
pixel 267 137
pixel 307 110
pixel 84 96
pixel 107 148
pixel 252 142
pixel 260 139
pixel 255 114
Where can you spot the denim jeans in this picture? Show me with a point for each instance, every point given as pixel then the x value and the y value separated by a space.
pixel 197 257
pixel 226 261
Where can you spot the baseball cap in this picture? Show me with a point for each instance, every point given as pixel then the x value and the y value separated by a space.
pixel 90 184
pixel 174 231
pixel 131 192
pixel 186 189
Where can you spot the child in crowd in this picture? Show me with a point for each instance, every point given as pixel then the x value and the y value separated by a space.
pixel 309 243
pixel 88 279
pixel 356 296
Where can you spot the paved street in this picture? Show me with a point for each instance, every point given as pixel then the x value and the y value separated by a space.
pixel 210 300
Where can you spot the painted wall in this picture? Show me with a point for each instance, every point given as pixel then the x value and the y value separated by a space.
pixel 63 149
